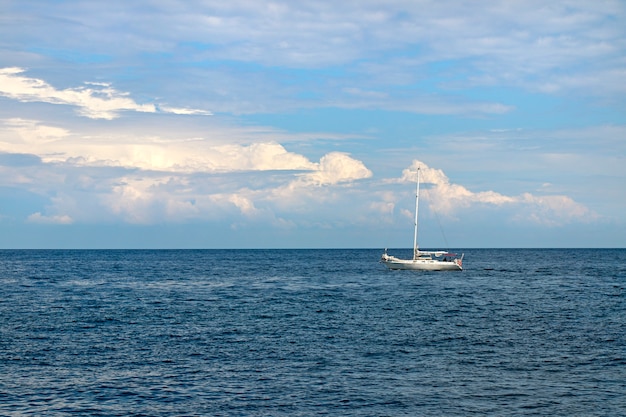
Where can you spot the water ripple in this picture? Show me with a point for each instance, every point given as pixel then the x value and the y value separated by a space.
pixel 159 333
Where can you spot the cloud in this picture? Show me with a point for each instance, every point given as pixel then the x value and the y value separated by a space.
pixel 433 104
pixel 42 219
pixel 148 179
pixel 94 100
pixel 554 210
pixel 448 198
pixel 144 199
pixel 441 52
pixel 58 145
pixel 17 159
pixel 197 155
pixel 517 43
pixel 337 167
pixel 258 156
pixel 244 204
pixel 30 132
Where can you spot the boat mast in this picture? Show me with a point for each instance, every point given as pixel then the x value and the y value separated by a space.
pixel 417 197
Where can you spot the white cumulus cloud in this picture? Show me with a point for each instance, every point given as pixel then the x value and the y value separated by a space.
pixel 58 145
pixel 337 167
pixel 447 198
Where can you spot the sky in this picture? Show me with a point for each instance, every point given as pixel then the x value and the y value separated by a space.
pixel 301 124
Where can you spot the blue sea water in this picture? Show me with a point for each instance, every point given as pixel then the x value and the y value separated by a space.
pixel 311 332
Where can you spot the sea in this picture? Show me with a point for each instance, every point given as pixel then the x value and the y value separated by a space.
pixel 518 332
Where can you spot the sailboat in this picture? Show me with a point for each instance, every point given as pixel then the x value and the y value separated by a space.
pixel 423 260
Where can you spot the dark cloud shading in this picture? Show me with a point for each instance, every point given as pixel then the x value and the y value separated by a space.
pixel 19 159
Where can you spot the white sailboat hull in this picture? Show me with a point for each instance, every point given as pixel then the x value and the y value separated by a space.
pixel 422 264
pixel 423 260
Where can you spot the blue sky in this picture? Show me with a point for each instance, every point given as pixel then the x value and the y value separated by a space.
pixel 249 124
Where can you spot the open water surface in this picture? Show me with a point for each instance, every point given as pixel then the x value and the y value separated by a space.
pixel 311 332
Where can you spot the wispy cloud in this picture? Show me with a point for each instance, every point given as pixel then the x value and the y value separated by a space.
pixel 93 100
pixel 40 218
pixel 435 48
